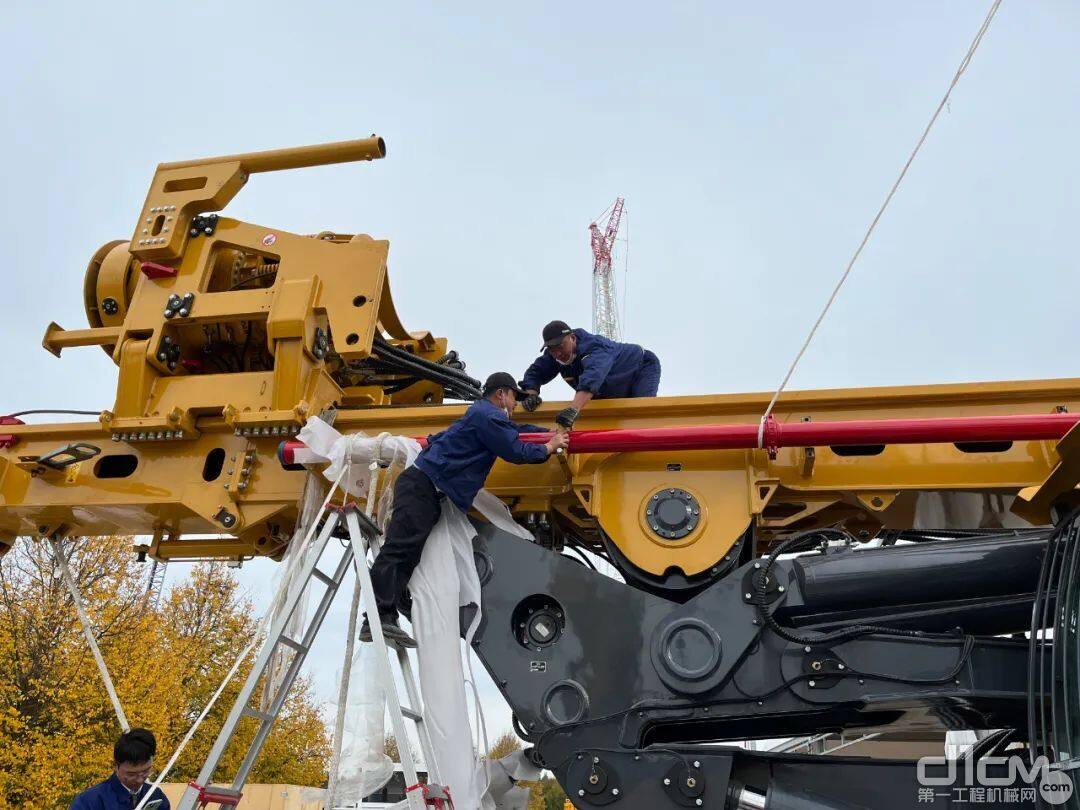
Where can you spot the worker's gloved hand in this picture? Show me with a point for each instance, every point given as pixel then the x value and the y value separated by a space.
pixel 566 418
pixel 531 402
pixel 558 442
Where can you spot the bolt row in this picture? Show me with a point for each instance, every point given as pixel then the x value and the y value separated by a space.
pixel 148 436
pixel 276 430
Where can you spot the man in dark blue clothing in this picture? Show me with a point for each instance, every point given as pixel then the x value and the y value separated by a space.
pixel 454 465
pixel 593 365
pixel 133 762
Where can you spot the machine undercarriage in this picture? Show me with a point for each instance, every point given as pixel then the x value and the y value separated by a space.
pixel 874 559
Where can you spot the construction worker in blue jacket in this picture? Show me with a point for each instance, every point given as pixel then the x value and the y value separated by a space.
pixel 593 365
pixel 454 465
pixel 133 763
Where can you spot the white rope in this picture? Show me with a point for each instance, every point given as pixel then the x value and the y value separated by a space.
pixel 88 631
pixel 888 198
pixel 247 650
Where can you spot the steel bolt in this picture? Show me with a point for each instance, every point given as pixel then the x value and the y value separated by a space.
pixel 667 781
pixel 697 764
pixel 813 684
pixel 749 595
pixel 698 802
pixel 581 793
pixel 614 791
pixel 806 649
pixel 781 589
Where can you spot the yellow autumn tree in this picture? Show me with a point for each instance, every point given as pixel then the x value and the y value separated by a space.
pixel 57 725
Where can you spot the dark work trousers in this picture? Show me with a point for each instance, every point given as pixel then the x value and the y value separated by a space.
pixel 647 380
pixel 417 507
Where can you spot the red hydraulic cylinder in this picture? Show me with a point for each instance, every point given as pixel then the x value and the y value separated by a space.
pixel 774 435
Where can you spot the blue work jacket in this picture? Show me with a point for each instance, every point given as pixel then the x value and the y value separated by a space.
pixel 459 459
pixel 111 795
pixel 602 367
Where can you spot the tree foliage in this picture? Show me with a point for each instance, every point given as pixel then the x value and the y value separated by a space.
pixel 57 725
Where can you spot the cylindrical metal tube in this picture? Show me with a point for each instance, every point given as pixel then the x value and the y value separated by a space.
pixel 296 157
pixel 919 573
pixel 741 797
pixel 1023 427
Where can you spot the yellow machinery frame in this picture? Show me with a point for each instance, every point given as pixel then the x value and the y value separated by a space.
pixel 191 450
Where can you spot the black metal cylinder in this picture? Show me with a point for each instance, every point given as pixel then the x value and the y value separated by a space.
pixel 946 570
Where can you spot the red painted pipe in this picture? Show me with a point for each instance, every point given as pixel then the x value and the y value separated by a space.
pixel 817 434
pixel 1023 427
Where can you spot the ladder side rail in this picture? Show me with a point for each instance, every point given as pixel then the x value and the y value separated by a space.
pixel 358 537
pixel 421 725
pixel 293 670
pixel 191 795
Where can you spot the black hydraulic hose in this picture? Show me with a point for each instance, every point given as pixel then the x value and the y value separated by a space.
pixel 580 556
pixel 1038 616
pixel 436 374
pixel 390 355
pixel 383 347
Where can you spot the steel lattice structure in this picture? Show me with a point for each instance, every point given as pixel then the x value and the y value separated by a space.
pixel 605 312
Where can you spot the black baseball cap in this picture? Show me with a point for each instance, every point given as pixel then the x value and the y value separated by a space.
pixel 501 379
pixel 554 332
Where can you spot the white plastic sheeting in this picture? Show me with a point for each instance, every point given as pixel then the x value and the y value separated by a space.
pixel 364 766
pixel 965 510
pixel 286 582
pixel 444 581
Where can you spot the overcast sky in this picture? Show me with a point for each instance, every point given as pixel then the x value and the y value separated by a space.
pixel 753 143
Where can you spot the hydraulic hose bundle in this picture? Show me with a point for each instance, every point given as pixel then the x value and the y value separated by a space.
pixel 395 369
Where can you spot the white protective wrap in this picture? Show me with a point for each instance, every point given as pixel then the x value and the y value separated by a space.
pixel 443 582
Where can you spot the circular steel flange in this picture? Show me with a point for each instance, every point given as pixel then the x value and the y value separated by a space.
pixel 565 702
pixel 672 514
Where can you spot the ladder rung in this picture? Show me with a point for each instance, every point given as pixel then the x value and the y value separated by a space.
pixel 292 642
pixel 263 716
pixel 415 716
pixel 324 578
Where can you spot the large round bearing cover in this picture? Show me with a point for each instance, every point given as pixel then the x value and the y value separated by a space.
pixel 565 702
pixel 686 654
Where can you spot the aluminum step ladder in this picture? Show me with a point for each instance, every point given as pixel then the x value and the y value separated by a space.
pixel 363 535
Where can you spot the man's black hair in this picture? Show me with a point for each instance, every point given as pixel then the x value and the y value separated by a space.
pixel 135 747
